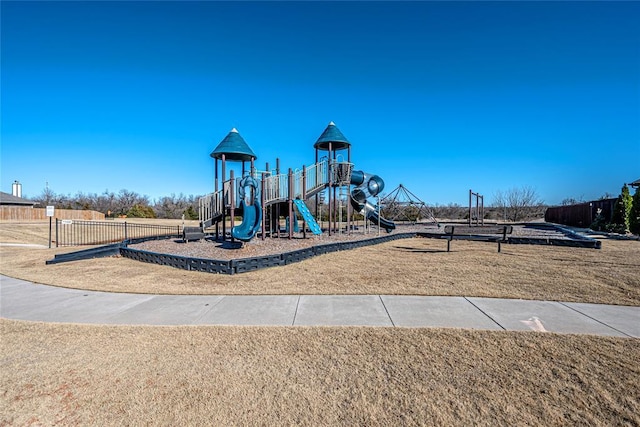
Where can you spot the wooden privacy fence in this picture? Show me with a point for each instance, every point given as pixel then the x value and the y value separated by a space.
pixel 581 214
pixel 22 213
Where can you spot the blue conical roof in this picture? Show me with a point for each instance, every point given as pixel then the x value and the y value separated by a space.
pixel 234 147
pixel 332 135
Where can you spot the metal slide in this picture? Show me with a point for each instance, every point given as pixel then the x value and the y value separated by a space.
pixel 368 185
pixel 371 213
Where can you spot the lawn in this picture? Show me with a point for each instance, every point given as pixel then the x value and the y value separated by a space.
pixel 56 374
pixel 66 374
pixel 416 266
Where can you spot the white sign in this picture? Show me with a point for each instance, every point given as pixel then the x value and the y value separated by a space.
pixel 50 210
pixel 66 222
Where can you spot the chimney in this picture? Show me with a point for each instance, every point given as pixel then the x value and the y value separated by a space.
pixel 16 189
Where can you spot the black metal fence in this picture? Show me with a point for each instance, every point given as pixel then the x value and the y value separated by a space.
pixel 78 233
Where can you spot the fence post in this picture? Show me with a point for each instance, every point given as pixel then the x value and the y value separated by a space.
pixel 262 205
pixel 56 234
pixel 125 231
pixel 290 200
pixel 470 203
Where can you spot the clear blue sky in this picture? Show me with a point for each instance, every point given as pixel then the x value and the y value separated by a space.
pixel 439 96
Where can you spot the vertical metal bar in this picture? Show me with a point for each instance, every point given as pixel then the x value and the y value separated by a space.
pixel 57 241
pixel 349 212
pixel 317 197
pixel 214 201
pixel 290 202
pixel 224 205
pixel 276 219
pixel 262 206
pixel 331 201
pixel 232 200
pixel 304 197
pixel 470 195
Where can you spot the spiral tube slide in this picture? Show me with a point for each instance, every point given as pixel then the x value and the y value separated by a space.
pixel 368 185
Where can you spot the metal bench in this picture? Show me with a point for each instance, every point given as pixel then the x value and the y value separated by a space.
pixel 192 233
pixel 488 234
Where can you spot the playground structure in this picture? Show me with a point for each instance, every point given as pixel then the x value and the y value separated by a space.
pixel 262 198
pixel 402 205
pixel 476 215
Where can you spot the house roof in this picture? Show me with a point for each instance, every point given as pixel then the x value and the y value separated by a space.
pixel 234 147
pixel 635 183
pixel 332 135
pixel 11 200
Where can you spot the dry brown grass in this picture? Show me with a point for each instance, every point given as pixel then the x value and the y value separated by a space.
pixel 410 267
pixel 105 375
pixel 53 374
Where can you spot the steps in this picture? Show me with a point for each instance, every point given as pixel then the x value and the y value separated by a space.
pixel 308 218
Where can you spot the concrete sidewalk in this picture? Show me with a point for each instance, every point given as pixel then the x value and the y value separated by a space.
pixel 23 300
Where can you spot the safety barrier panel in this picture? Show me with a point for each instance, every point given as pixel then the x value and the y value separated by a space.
pixel 243 265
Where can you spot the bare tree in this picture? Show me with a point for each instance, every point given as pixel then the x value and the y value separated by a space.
pixel 572 201
pixel 126 199
pixel 174 206
pixel 46 197
pixel 106 202
pixel 518 204
pixel 84 201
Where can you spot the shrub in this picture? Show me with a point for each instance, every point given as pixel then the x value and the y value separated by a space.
pixel 599 223
pixel 634 214
pixel 140 211
pixel 621 211
pixel 190 213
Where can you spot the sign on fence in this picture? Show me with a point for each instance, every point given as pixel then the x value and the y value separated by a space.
pixel 67 222
pixel 50 211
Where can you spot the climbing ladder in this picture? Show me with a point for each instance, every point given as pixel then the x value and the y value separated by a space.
pixel 308 218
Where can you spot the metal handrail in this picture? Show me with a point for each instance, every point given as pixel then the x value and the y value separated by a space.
pixel 317 176
pixel 210 206
pixel 276 188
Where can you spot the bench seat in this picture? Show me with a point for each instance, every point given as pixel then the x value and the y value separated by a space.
pixel 192 233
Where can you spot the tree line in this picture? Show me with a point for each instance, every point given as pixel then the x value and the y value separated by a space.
pixel 123 203
pixel 516 204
